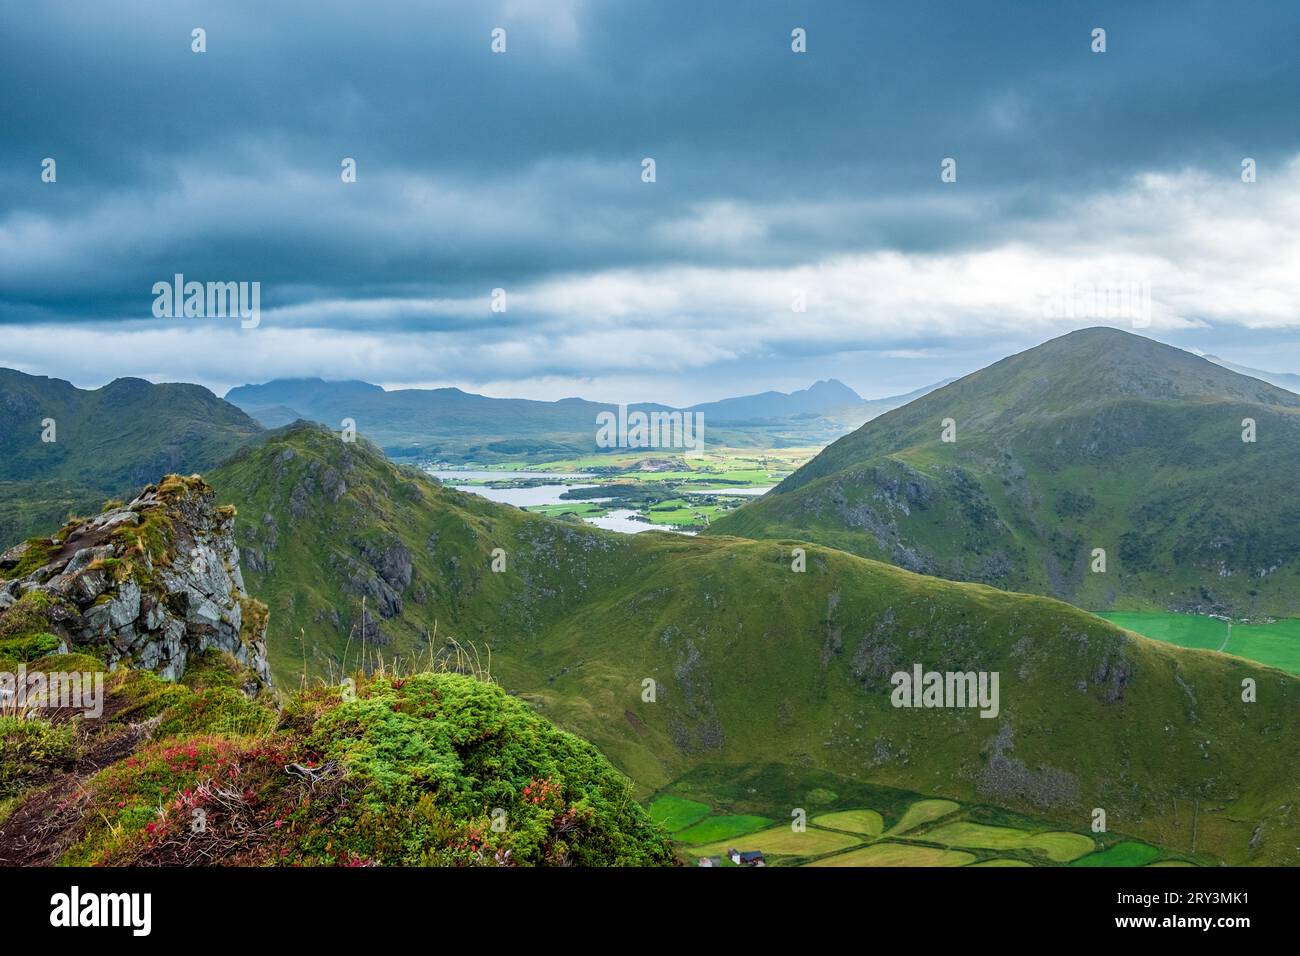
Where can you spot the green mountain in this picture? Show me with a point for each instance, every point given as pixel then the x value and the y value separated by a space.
pixel 755 664
pixel 108 442
pixel 1096 440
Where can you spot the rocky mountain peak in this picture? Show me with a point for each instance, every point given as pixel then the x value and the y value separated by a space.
pixel 147 583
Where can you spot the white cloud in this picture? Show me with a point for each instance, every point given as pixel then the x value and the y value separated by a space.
pixel 1210 250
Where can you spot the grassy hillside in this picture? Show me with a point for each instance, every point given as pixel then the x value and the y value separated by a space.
pixel 27 507
pixel 755 664
pixel 109 442
pixel 1099 439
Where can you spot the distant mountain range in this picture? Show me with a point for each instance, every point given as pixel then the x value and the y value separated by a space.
pixel 1287 380
pixel 110 441
pixel 1096 440
pixel 453 425
pixel 820 397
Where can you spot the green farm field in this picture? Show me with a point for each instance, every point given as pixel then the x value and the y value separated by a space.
pixel 729 465
pixel 866 822
pixel 781 840
pixel 922 832
pixel 1273 643
pixel 1058 847
pixel 1127 853
pixel 897 854
pixel 675 813
pixel 922 812
pixel 722 827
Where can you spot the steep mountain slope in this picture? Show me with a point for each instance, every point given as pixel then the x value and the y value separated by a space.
pixel 1096 440
pixel 754 663
pixel 29 506
pixel 108 441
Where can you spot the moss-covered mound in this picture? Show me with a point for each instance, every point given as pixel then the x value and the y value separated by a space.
pixel 432 769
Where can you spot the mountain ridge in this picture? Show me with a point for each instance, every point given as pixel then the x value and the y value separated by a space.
pixel 449 423
pixel 1097 439
pixel 753 662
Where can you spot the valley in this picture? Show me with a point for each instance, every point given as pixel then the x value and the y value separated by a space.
pixel 1091 716
pixel 649 436
pixel 463 429
pixel 632 491
pixel 734 657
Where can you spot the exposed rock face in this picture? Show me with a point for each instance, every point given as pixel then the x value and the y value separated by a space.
pixel 148 583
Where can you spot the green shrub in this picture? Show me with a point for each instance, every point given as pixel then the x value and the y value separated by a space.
pixel 74 662
pixel 214 668
pixel 406 771
pixel 143 694
pixel 215 710
pixel 28 648
pixel 437 747
pixel 253 616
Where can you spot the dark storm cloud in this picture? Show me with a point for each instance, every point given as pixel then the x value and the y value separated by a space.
pixel 490 170
pixel 479 171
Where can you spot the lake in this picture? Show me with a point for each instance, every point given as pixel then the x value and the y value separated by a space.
pixel 622 520
pixel 525 497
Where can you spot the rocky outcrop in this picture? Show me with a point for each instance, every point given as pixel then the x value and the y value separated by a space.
pixel 149 583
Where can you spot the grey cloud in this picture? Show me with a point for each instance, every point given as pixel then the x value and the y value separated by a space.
pixel 478 171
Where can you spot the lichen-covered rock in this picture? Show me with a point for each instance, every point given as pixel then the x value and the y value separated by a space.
pixel 13 555
pixel 148 584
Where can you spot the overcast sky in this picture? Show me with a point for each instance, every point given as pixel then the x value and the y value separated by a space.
pixel 777 173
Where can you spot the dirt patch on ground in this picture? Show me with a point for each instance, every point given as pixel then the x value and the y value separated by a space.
pixel 91 727
pixel 637 724
pixel 79 539
pixel 48 821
